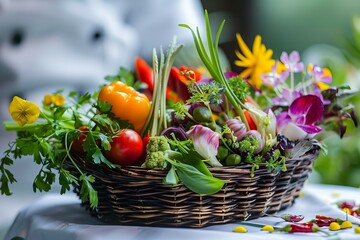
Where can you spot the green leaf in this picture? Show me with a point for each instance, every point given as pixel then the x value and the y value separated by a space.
pixel 103 106
pixel 9 176
pixel 59 112
pixel 195 180
pixel 194 159
pixel 40 184
pixel 27 146
pixel 102 120
pixel 87 192
pixel 124 75
pixel 65 180
pixel 5 185
pixel 98 158
pixel 171 177
pixel 7 161
pixel 44 147
pixel 105 141
pixel 83 99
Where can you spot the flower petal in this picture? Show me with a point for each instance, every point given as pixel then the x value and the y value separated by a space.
pixel 284 57
pixel 282 120
pixel 206 142
pixel 310 128
pixel 294 57
pixel 244 48
pixel 293 132
pixel 309 106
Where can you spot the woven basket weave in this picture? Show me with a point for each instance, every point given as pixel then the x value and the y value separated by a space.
pixel 136 196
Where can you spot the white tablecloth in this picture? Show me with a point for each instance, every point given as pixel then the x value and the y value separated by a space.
pixel 61 217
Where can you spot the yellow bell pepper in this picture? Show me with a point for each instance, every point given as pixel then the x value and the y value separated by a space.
pixel 127 103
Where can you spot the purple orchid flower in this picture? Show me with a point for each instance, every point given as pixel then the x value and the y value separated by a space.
pixel 273 78
pixel 319 75
pixel 206 143
pixel 292 62
pixel 298 122
pixel 287 97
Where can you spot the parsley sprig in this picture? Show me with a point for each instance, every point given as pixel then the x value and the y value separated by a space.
pixel 49 141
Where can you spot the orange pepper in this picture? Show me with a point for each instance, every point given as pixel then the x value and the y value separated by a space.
pixel 127 103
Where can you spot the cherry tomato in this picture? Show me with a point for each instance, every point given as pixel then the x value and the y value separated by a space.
pixel 126 148
pixel 77 144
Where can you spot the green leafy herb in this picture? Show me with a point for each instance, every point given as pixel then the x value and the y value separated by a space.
pixel 196 180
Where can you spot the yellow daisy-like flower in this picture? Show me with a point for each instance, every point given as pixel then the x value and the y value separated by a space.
pixel 23 112
pixel 257 62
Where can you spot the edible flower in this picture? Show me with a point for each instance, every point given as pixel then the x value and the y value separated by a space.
pixel 292 61
pixel 54 99
pixel 255 62
pixel 23 112
pixel 206 143
pixel 276 77
pixel 299 121
pixel 321 76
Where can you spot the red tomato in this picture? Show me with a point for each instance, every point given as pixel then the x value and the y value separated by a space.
pixel 126 148
pixel 77 144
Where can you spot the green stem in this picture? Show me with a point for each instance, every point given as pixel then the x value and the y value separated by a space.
pixel 212 63
pixel 13 126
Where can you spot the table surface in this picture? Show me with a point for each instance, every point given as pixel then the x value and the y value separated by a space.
pixel 61 217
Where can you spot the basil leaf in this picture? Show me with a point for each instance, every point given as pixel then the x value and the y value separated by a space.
pixel 192 158
pixel 195 180
pixel 171 177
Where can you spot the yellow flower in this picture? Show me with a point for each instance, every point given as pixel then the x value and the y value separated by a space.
pixel 57 100
pixel 23 112
pixel 257 62
pixel 322 80
pixel 48 99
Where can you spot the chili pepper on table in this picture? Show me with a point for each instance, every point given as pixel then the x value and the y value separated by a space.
pixel 300 228
pixel 127 103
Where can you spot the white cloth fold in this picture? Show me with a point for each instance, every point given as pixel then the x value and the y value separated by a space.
pixel 61 217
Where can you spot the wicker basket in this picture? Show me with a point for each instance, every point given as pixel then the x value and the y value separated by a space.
pixel 136 196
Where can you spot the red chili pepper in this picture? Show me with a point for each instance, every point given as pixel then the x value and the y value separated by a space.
pixel 323 222
pixel 300 228
pixel 304 228
pixel 144 73
pixel 179 80
pixel 322 217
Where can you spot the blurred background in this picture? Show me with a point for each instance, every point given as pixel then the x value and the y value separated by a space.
pixel 63 44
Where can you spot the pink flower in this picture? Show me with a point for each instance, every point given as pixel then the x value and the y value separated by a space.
pixel 292 62
pixel 206 143
pixel 301 117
